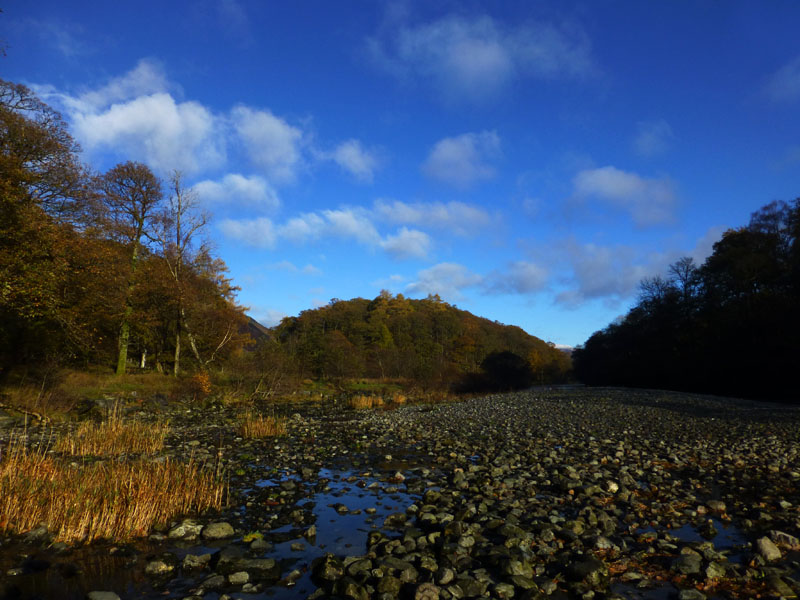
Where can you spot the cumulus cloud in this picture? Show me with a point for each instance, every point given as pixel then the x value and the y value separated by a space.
pixel 135 117
pixel 270 142
pixel 240 189
pixel 164 133
pixel 652 138
pixel 303 228
pixel 784 84
pixel 649 201
pixel 355 159
pixel 408 243
pixel 521 277
pixel 445 279
pixel 259 233
pixel 456 217
pixel 463 160
pixel 351 223
pixel 479 57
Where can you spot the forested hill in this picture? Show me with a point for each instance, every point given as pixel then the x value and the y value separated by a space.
pixel 426 340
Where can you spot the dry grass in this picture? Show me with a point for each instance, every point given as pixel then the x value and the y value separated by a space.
pixel 259 426
pixel 114 500
pixel 364 402
pixel 399 398
pixel 114 437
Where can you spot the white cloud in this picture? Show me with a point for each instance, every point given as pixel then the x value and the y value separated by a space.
pixel 308 226
pixel 256 232
pixel 652 137
pixel 408 243
pixel 146 78
pixel 355 159
pixel 649 201
pixel 463 160
pixel 351 223
pixel 705 245
pixel 456 217
pixel 784 84
pixel 476 58
pixel 606 272
pixel 240 189
pixel 286 265
pixel 270 142
pixel 163 133
pixel 521 277
pixel 445 279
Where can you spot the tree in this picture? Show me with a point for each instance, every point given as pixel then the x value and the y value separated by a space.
pixel 131 194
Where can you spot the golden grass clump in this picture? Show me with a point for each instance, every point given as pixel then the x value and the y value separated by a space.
pixel 113 500
pixel 259 426
pixel 363 402
pixel 113 437
pixel 399 398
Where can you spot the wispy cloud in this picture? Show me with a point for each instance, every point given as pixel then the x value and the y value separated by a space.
pixel 784 84
pixel 446 279
pixel 463 160
pixel 408 243
pixel 353 158
pixel 479 57
pixel 521 277
pixel 456 217
pixel 289 266
pixel 652 138
pixel 233 188
pixel 650 202
pixel 259 233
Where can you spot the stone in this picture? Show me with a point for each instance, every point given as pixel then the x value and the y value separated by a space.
pixel 239 578
pixel 196 561
pixel 218 531
pixel 326 569
pixel 427 591
pixel 767 549
pixel 691 594
pixel 591 570
pixel 157 568
pixel 102 596
pixel 187 530
pixel 715 570
pixel 688 564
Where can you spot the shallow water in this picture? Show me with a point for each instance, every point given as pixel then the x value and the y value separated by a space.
pixel 100 569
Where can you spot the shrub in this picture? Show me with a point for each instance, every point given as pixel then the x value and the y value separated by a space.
pixel 364 402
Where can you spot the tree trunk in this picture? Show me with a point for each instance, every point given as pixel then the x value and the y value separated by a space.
pixel 176 367
pixel 124 338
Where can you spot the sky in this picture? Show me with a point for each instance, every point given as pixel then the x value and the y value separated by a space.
pixel 529 161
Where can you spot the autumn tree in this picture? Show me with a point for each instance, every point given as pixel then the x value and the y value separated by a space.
pixel 132 195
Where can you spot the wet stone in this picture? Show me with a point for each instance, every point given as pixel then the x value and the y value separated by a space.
pixel 218 531
pixel 196 561
pixel 688 564
pixel 767 549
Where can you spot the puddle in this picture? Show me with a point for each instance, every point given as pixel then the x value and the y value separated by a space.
pixel 367 495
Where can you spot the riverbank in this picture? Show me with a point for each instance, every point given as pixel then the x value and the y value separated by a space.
pixel 592 493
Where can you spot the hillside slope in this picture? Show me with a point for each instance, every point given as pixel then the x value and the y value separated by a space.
pixel 395 337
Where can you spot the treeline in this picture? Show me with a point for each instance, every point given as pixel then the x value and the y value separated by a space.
pixel 105 269
pixel 729 326
pixel 424 341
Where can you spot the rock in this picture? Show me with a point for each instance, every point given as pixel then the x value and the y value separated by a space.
pixel 428 591
pixel 780 587
pixel 157 568
pixel 784 539
pixel 767 549
pixel 347 587
pixel 389 585
pixel 102 596
pixel 187 530
pixel 691 595
pixel 326 569
pixel 218 531
pixel 196 561
pixel 38 535
pixel 239 578
pixel 591 570
pixel 688 564
pixel 444 575
pixel 715 570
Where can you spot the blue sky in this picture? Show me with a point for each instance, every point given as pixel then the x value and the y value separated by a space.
pixel 528 161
